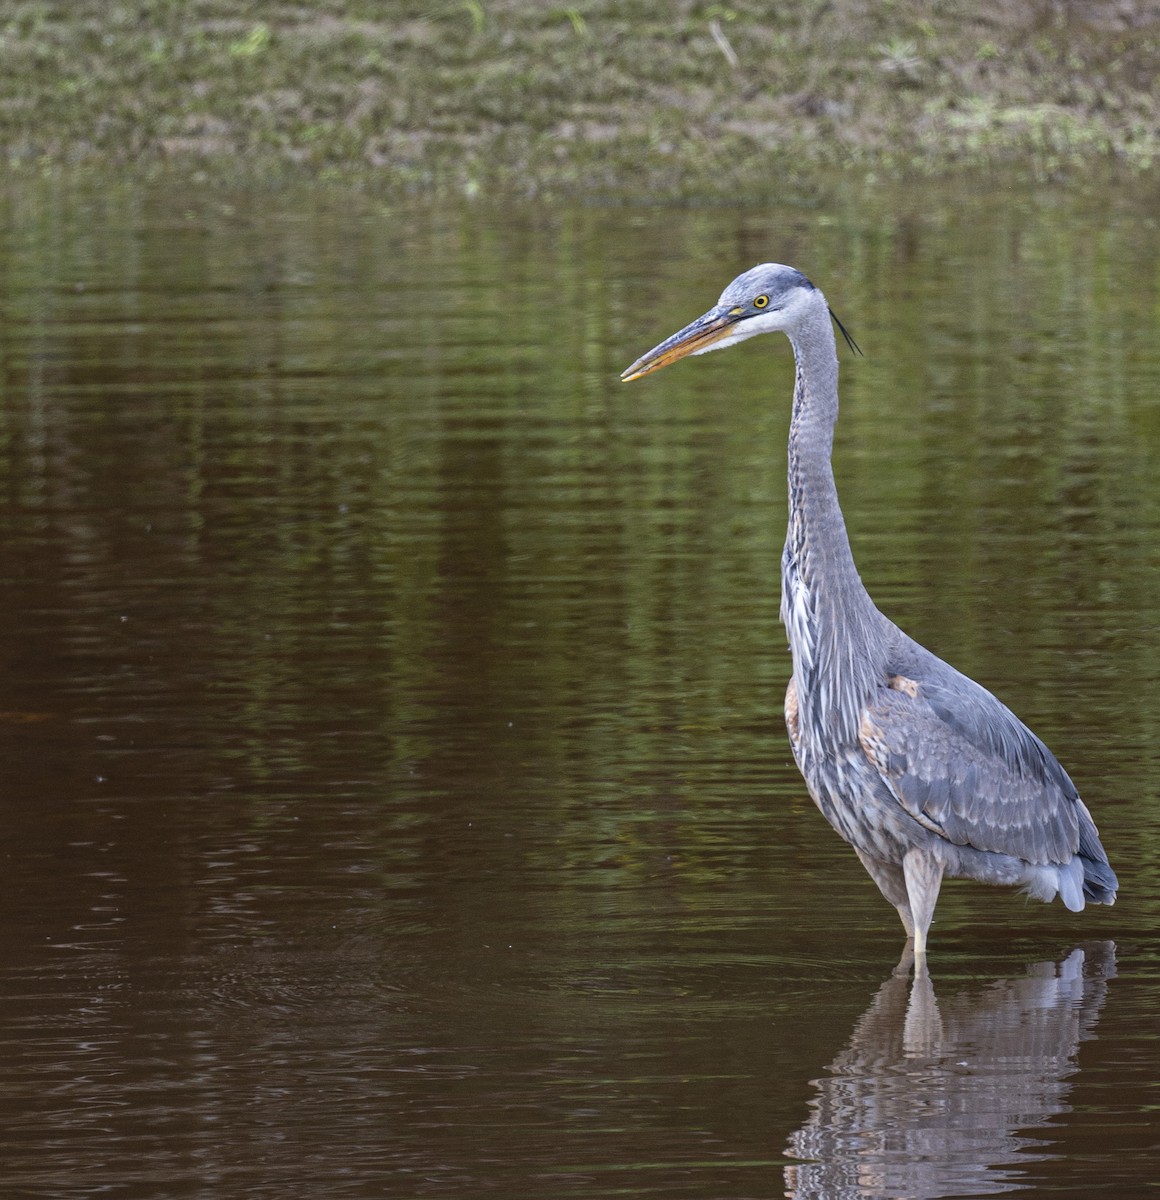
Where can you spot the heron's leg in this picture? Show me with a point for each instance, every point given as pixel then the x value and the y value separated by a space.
pixel 902 968
pixel 923 873
pixel 892 884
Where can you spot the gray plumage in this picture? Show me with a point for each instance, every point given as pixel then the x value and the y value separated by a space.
pixel 919 768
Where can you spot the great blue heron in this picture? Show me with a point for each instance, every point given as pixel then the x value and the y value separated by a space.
pixel 919 768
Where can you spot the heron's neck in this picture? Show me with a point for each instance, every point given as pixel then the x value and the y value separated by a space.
pixel 830 618
pixel 817 531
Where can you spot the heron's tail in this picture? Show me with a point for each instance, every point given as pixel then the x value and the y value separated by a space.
pixel 1099 880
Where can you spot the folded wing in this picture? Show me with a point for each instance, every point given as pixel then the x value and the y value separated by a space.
pixel 965 767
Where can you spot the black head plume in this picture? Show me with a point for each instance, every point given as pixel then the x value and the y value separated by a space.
pixel 847 335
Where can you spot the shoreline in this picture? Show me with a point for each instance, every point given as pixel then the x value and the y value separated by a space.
pixel 715 103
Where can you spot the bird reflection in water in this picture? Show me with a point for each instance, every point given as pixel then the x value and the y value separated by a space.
pixel 937 1099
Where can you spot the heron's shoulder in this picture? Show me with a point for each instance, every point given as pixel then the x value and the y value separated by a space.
pixel 970 713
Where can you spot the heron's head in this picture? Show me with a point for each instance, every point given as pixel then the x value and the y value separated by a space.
pixel 769 298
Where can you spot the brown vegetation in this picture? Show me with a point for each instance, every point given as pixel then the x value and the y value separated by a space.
pixel 621 97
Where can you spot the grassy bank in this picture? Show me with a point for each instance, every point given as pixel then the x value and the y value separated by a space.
pixel 607 96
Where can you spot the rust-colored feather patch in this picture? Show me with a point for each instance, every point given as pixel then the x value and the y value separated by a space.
pixel 792 724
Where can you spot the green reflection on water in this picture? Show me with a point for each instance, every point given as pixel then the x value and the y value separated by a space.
pixel 379 464
pixel 356 613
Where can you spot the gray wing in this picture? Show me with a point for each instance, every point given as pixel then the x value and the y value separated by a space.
pixel 965 767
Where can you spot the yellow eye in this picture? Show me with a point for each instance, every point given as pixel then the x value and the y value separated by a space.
pixel 761 302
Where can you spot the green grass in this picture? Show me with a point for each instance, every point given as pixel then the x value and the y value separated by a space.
pixel 623 98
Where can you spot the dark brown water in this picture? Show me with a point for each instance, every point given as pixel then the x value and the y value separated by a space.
pixel 395 799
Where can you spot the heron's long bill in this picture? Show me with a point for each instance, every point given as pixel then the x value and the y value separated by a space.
pixel 699 335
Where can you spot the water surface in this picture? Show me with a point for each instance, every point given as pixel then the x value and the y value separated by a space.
pixel 395 796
